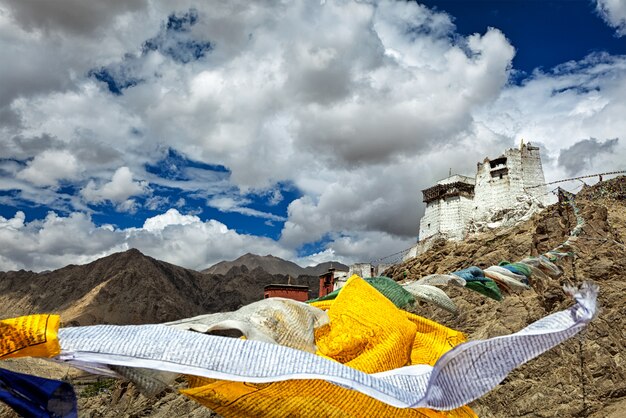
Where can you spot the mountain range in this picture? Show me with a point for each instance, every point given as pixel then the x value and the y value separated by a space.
pixel 132 288
pixel 273 265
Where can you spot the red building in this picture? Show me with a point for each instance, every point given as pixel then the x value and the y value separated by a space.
pixel 327 282
pixel 289 291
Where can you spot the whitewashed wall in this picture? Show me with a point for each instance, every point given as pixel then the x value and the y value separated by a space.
pixel 429 224
pixel 341 277
pixel 447 216
pixel 454 216
pixel 533 175
pixel 492 193
pixel 363 270
pixel 450 217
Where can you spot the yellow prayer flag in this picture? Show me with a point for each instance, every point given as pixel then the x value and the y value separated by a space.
pixel 366 332
pixel 29 336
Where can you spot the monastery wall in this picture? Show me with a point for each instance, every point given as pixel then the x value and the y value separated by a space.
pixel 500 184
pixel 448 216
pixel 363 270
pixel 448 209
pixel 533 174
pixel 429 224
pixel 454 216
pixel 490 193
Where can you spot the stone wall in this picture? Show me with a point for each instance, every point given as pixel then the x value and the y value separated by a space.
pixel 494 192
pixel 533 174
pixel 429 224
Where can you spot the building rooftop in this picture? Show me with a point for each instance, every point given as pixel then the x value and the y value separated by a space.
pixel 457 178
pixel 286 286
pixel 456 188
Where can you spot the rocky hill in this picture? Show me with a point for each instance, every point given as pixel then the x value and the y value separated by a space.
pixel 272 265
pixel 131 288
pixel 582 377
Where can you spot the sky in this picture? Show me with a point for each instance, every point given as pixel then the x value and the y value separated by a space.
pixel 201 131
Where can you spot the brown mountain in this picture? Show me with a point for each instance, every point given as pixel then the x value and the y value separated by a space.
pixel 131 288
pixel 272 265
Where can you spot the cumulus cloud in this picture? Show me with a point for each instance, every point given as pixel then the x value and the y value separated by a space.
pixel 171 217
pixel 53 242
pixel 392 78
pixel 50 46
pixel 614 14
pixel 49 167
pixel 180 239
pixel 14 223
pixel 576 100
pixel 118 190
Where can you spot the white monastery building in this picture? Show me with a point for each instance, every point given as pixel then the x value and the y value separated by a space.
pixel 501 186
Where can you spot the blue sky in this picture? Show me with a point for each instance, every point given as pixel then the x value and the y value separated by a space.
pixel 199 131
pixel 545 33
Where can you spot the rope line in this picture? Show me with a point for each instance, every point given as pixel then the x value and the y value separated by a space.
pixel 578 178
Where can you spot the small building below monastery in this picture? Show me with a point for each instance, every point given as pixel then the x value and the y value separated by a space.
pixel 289 291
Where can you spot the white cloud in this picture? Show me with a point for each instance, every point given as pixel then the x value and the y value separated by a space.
pixel 319 257
pixel 14 223
pixel 358 105
pixel 47 168
pixel 411 100
pixel 575 102
pixel 118 190
pixel 362 247
pixel 614 14
pixel 171 217
pixel 369 246
pixel 157 202
pixel 128 205
pixel 180 239
pixel 275 197
pixel 236 205
pixel 53 242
